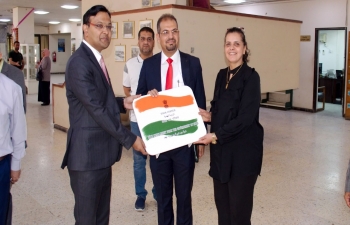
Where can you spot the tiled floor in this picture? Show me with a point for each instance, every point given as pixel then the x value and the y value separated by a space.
pixel 302 181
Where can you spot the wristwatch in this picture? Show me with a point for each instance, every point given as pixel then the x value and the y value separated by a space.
pixel 213 140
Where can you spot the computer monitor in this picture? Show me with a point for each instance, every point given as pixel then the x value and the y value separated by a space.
pixel 339 73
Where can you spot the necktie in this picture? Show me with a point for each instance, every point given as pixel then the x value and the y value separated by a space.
pixel 169 75
pixel 104 69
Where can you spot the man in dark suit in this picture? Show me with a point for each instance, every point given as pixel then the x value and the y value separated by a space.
pixel 96 135
pixel 16 75
pixel 165 70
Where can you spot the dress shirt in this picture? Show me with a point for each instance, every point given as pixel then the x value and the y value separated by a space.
pixel 177 72
pixel 97 54
pixel 13 129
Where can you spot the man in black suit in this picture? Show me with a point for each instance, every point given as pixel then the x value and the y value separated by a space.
pixel 170 69
pixel 96 135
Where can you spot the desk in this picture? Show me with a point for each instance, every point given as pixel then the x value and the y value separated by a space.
pixel 333 89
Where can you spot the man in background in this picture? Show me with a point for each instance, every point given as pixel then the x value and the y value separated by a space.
pixel 131 76
pixel 13 133
pixel 16 75
pixel 15 57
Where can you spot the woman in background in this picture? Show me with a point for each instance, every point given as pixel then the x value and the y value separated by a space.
pixel 236 138
pixel 44 84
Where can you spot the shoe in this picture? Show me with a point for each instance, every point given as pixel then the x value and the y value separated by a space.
pixel 140 204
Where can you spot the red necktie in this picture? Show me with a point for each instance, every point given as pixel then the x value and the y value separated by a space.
pixel 169 75
pixel 104 69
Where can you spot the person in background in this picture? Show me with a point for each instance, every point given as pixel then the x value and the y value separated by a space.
pixel 236 138
pixel 16 75
pixel 131 76
pixel 96 135
pixel 44 84
pixel 15 57
pixel 169 69
pixel 347 187
pixel 13 133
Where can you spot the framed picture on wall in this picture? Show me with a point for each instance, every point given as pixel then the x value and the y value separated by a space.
pixel 114 30
pixel 156 2
pixel 128 29
pixel 119 53
pixel 134 51
pixel 146 3
pixel 146 23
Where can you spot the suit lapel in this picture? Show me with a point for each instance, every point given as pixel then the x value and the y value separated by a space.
pixel 185 69
pixel 93 59
pixel 157 72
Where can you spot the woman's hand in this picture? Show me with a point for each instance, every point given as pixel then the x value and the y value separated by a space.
pixel 206 116
pixel 206 139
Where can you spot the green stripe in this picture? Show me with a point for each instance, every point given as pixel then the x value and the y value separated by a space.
pixel 170 128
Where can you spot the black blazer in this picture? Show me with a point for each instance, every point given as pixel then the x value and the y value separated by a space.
pixel 150 76
pixel 235 121
pixel 96 134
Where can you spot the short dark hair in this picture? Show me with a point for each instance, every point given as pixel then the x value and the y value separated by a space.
pixel 16 42
pixel 240 31
pixel 166 16
pixel 93 12
pixel 147 29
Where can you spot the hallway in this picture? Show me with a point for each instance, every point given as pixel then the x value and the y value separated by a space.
pixel 302 181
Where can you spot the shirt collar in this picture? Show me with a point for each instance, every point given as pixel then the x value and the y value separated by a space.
pixel 96 53
pixel 175 57
pixel 139 59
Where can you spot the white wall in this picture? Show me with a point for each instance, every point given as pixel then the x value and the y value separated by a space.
pixel 314 14
pixel 62 57
pixel 41 29
pixel 331 53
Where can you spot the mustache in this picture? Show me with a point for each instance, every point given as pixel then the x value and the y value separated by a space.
pixel 172 39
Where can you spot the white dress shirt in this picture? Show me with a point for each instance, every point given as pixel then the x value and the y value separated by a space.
pixel 177 72
pixel 13 127
pixel 96 53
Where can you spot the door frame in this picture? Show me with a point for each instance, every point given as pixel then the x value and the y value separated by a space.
pixel 315 89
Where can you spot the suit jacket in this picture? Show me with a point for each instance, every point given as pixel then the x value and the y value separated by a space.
pixel 150 76
pixel 17 76
pixel 347 181
pixel 96 134
pixel 235 121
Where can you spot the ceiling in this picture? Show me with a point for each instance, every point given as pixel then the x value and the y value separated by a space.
pixel 57 13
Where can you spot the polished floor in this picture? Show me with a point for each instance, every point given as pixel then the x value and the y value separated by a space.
pixel 302 181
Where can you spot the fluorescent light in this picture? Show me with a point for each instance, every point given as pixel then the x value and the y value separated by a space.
pixel 54 22
pixel 69 6
pixel 234 1
pixel 5 20
pixel 74 20
pixel 41 12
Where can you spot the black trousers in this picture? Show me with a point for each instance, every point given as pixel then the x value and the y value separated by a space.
pixel 44 92
pixel 234 200
pixel 175 165
pixel 92 194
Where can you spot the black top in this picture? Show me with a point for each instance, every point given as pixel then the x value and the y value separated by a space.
pixel 235 121
pixel 16 57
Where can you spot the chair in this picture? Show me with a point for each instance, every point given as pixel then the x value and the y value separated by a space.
pixel 321 97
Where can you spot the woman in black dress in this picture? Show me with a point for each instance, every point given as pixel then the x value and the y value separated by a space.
pixel 236 138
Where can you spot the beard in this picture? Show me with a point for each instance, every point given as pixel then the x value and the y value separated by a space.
pixel 145 50
pixel 171 47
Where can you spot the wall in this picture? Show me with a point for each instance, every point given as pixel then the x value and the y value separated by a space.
pixel 277 72
pixel 41 29
pixel 314 14
pixel 62 57
pixel 331 53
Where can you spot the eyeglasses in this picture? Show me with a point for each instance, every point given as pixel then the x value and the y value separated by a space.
pixel 101 26
pixel 241 28
pixel 167 32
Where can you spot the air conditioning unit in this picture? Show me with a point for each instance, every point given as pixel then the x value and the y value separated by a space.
pixel 323 38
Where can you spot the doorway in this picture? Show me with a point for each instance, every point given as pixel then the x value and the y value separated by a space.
pixel 329 70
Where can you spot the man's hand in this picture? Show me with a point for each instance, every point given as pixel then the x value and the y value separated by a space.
pixel 128 101
pixel 206 139
pixel 206 116
pixel 347 198
pixel 201 150
pixel 139 146
pixel 153 93
pixel 15 176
